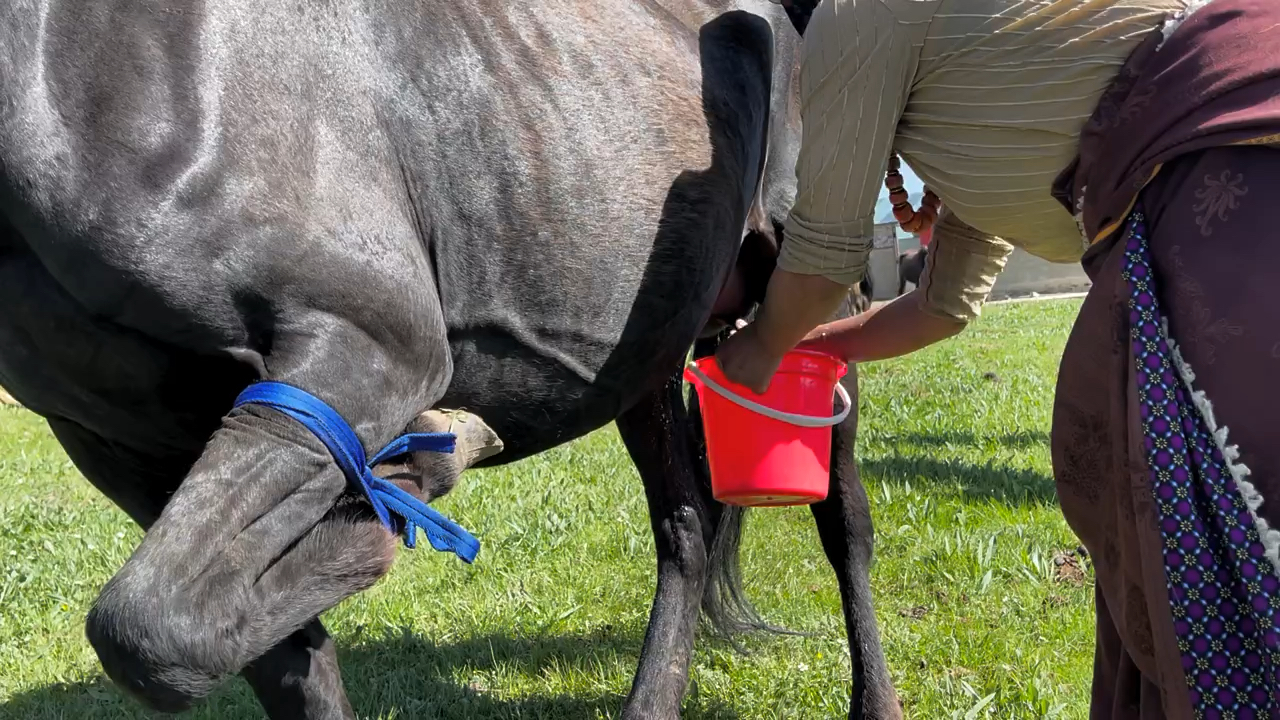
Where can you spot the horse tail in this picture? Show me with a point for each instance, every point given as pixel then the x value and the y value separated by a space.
pixel 725 605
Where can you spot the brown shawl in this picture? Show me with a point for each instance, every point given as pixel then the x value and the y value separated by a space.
pixel 1214 81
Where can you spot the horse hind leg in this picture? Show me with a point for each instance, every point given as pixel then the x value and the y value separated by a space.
pixel 683 519
pixel 736 57
pixel 845 529
pixel 696 540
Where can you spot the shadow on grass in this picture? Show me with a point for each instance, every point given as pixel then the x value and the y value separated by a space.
pixel 1009 485
pixel 404 677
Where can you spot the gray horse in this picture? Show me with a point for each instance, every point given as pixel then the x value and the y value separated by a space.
pixel 529 210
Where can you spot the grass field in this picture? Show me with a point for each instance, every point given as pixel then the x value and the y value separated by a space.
pixel 978 619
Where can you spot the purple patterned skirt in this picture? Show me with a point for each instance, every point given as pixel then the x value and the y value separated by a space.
pixel 1222 589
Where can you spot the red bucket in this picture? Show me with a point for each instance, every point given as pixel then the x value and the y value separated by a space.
pixel 773 449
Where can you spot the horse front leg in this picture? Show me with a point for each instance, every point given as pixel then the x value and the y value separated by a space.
pixel 844 527
pixel 683 521
pixel 299 679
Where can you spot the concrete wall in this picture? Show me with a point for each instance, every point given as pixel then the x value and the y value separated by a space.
pixel 883 264
pixel 1026 274
pixel 1023 275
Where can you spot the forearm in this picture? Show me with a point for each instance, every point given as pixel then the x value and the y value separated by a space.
pixel 897 328
pixel 796 304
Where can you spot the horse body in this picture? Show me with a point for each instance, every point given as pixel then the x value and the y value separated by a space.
pixel 207 178
pixel 525 211
pixel 562 323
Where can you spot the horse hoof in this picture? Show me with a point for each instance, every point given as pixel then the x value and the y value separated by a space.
pixel 476 440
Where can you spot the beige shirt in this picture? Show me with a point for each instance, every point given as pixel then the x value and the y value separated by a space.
pixel 983 99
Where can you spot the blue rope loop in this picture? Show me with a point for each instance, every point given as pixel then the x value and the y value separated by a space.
pixel 401 512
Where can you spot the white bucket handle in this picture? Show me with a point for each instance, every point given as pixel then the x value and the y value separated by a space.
pixel 808 421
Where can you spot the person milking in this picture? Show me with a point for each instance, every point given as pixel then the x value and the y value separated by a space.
pixel 1141 138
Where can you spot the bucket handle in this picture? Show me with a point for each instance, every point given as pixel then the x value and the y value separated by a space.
pixel 808 421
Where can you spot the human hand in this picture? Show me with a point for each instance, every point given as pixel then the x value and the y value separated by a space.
pixel 746 359
pixel 793 305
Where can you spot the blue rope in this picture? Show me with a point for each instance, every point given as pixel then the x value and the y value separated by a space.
pixel 400 511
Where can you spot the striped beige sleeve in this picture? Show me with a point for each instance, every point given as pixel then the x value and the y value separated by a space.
pixel 857 65
pixel 961 269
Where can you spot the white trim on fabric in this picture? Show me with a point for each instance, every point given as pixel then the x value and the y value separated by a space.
pixel 1230 454
pixel 1172 23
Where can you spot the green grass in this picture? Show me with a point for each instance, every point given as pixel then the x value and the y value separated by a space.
pixel 549 621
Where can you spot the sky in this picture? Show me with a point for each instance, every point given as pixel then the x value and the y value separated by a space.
pixel 884 210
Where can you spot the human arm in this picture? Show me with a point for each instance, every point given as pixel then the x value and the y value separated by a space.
pixel 960 272
pixel 800 302
pixel 896 328
pixel 856 71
